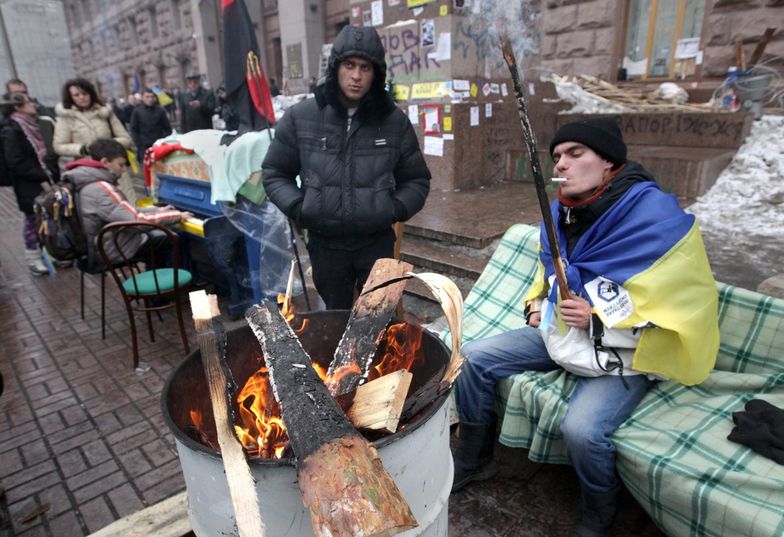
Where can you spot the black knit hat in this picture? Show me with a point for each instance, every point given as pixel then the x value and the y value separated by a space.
pixel 600 134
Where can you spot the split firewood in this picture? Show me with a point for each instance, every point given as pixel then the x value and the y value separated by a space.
pixel 367 325
pixel 344 484
pixel 759 50
pixel 212 342
pixel 377 405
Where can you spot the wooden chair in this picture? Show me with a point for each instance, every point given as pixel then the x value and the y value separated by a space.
pixel 155 288
pixel 85 267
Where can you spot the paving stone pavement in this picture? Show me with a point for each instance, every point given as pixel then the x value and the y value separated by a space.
pixel 83 442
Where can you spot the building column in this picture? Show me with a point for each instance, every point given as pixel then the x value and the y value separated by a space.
pixel 302 31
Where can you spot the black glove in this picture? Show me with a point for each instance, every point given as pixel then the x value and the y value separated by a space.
pixel 296 214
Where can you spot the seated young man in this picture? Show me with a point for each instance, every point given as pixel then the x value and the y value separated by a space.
pixel 642 307
pixel 101 202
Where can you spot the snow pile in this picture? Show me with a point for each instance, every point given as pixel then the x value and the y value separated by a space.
pixel 748 197
pixel 281 103
pixel 584 102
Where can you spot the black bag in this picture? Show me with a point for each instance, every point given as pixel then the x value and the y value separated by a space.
pixel 57 222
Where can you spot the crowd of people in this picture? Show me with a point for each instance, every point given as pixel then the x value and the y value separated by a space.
pixel 360 170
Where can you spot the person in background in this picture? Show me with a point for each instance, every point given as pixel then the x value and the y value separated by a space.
pixel 197 105
pixel 149 122
pixel 82 118
pixel 642 306
pixel 16 85
pixel 312 83
pixel 274 89
pixel 360 164
pixel 29 164
pixel 101 202
pixel 231 121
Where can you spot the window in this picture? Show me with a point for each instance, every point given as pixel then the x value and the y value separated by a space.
pixel 153 21
pixel 656 29
pixel 176 16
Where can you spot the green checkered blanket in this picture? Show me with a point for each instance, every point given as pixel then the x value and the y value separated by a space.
pixel 673 452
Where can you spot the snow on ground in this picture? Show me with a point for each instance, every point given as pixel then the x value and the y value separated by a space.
pixel 748 197
pixel 742 215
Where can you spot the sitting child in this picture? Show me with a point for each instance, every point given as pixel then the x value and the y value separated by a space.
pixel 101 201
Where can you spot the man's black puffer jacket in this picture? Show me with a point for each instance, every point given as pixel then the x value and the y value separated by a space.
pixel 355 183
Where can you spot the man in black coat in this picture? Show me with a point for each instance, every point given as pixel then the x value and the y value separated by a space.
pixel 360 166
pixel 196 105
pixel 149 122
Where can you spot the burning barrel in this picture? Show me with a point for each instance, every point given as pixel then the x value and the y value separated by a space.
pixel 417 456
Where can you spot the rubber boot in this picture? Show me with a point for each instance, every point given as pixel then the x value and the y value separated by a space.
pixel 34 263
pixel 598 513
pixel 473 454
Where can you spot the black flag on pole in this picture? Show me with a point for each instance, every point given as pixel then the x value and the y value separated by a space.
pixel 247 91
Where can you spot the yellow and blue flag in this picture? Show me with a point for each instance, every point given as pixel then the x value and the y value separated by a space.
pixel 643 262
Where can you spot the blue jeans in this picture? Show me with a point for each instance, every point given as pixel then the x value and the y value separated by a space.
pixel 597 406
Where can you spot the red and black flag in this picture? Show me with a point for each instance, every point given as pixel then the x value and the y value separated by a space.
pixel 247 91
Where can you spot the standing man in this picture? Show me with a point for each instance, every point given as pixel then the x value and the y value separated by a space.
pixel 18 86
pixel 642 307
pixel 359 162
pixel 196 105
pixel 149 122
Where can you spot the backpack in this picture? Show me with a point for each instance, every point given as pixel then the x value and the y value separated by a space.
pixel 57 222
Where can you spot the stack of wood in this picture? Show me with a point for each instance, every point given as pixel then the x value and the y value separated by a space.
pixel 629 99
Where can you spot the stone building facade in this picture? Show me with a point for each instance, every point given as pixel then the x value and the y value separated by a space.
pixel 116 43
pixel 599 37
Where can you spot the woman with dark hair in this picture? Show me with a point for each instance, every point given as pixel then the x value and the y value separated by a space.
pixel 29 164
pixel 82 118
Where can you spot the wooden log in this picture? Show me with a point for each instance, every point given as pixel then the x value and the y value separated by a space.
pixel 377 405
pixel 344 484
pixel 366 326
pixel 212 341
pixel 759 50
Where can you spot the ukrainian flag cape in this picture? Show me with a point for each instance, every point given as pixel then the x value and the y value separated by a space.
pixel 652 249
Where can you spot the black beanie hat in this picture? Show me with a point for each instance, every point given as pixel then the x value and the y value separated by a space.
pixel 600 134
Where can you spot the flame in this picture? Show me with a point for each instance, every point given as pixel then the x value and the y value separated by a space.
pixel 196 419
pixel 290 313
pixel 263 432
pixel 403 342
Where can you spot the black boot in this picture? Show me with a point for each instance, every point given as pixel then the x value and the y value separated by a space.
pixel 473 454
pixel 598 513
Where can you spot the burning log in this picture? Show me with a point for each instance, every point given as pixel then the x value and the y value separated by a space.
pixel 212 340
pixel 367 325
pixel 342 479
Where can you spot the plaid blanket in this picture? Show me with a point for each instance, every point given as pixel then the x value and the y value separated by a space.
pixel 673 452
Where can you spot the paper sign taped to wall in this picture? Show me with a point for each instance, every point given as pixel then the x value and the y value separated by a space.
pixel 461 85
pixel 489 110
pixel 474 116
pixel 434 145
pixel 429 90
pixel 447 123
pixel 377 12
pixel 413 114
pixel 401 92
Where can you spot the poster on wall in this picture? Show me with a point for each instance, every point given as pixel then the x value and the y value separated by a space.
pixel 417 3
pixel 377 12
pixel 294 60
pixel 432 114
pixel 428 32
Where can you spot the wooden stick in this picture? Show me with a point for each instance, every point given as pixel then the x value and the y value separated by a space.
pixel 212 341
pixel 536 169
pixel 367 325
pixel 760 48
pixel 343 482
pixel 739 56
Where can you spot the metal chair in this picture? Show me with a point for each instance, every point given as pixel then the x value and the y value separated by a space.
pixel 155 288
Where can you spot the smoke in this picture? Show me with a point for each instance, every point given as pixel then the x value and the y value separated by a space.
pixel 517 19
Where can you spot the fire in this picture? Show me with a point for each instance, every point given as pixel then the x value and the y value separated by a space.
pixel 289 313
pixel 403 342
pixel 263 432
pixel 261 429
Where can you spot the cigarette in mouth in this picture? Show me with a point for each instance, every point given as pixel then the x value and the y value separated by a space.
pixel 558 179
